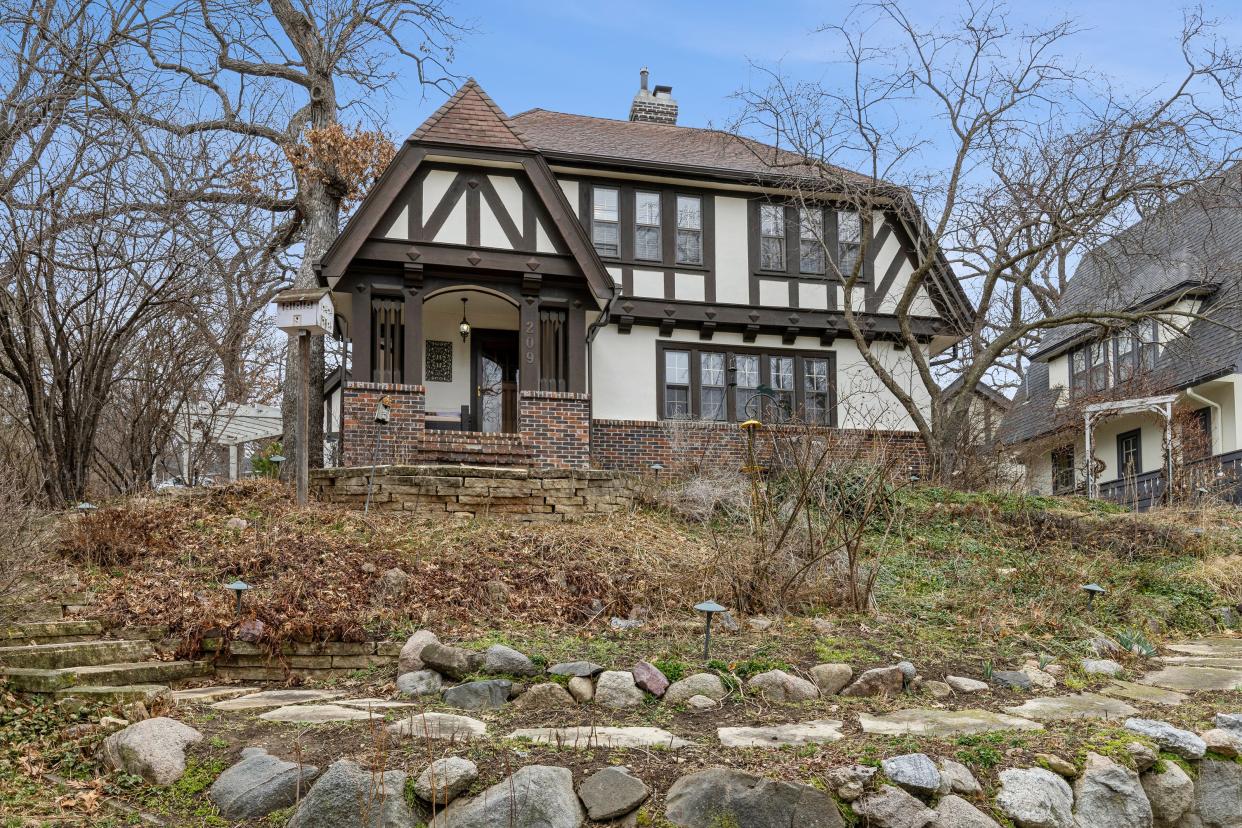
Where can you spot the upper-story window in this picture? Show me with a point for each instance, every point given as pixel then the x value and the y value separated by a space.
pixel 605 222
pixel 772 236
pixel 849 242
pixel 1096 366
pixel 689 230
pixel 811 241
pixel 647 226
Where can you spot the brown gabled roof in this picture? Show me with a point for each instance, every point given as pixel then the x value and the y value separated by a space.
pixel 471 118
pixel 608 139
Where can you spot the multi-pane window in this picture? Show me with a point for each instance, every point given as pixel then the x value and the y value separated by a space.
pixel 1125 361
pixel 815 390
pixel 1149 344
pixel 712 386
pixel 1130 453
pixel 1099 366
pixel 1063 470
pixel 811 240
pixel 689 230
pixel 1115 360
pixel 849 242
pixel 772 236
pixel 781 379
pixel 747 378
pixel 676 385
pixel 647 226
pixel 720 384
pixel 1078 371
pixel 605 222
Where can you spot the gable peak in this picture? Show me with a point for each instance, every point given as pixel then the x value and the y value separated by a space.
pixel 471 117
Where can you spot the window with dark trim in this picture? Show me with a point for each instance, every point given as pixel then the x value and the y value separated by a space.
pixel 811 241
pixel 772 236
pixel 647 244
pixel 1130 453
pixel 387 339
pixel 849 242
pixel 1197 441
pixel 694 383
pixel 605 221
pixel 1115 360
pixel 1063 470
pixel 689 230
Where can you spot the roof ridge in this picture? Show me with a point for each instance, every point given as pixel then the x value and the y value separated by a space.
pixel 471 85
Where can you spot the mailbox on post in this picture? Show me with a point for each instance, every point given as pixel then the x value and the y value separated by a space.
pixel 303 314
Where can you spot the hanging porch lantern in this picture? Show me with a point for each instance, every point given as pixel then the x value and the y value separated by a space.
pixel 464 327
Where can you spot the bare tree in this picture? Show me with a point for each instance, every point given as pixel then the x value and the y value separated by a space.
pixel 1006 162
pixel 277 77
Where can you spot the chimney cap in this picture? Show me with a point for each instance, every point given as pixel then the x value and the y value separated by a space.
pixel 662 89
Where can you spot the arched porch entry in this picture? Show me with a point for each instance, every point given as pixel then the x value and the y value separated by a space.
pixel 472 359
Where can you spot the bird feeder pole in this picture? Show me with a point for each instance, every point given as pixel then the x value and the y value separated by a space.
pixel 302 428
pixel 303 314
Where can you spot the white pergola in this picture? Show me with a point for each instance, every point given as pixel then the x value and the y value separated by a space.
pixel 230 425
pixel 1161 406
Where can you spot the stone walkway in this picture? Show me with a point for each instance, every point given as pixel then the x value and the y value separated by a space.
pixel 1202 665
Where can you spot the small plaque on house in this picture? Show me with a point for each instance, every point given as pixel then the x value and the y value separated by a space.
pixel 439 360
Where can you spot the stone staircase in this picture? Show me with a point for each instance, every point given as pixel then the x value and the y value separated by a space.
pixel 69 656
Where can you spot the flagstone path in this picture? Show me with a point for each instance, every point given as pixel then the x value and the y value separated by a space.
pixel 611 737
pixel 925 721
pixel 1080 706
pixel 317 714
pixel 802 733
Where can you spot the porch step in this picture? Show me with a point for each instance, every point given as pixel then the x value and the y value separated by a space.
pixel 117 694
pixel 75 654
pixel 49 632
pixel 34 680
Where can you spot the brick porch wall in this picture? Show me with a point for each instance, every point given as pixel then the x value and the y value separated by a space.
pixel 634 445
pixel 400 441
pixel 556 425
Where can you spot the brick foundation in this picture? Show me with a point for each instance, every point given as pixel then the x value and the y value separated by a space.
pixel 518 494
pixel 557 426
pixel 400 441
pixel 634 445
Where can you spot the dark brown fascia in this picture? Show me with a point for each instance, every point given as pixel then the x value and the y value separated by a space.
pixel 750 321
pixel 439 254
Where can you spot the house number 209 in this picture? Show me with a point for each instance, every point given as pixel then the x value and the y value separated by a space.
pixel 530 342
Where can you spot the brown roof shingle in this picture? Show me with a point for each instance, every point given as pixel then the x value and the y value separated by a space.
pixel 706 149
pixel 471 118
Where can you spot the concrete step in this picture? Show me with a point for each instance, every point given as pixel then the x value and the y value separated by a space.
pixel 79 654
pixel 34 680
pixel 119 694
pixel 49 632
pixel 42 611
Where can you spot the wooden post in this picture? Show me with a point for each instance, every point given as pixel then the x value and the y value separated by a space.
pixel 303 421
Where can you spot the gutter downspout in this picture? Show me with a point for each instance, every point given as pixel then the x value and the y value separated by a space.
pixel 599 322
pixel 1216 415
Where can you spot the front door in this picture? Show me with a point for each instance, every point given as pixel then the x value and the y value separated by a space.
pixel 1130 454
pixel 495 378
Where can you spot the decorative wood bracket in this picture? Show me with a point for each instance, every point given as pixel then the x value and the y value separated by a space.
pixel 625 324
pixel 750 333
pixel 707 330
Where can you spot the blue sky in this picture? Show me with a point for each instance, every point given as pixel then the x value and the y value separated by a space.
pixel 584 57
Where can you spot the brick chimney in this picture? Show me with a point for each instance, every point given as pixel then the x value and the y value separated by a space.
pixel 656 107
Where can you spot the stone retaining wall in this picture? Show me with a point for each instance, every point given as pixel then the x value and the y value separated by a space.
pixel 316 661
pixel 525 495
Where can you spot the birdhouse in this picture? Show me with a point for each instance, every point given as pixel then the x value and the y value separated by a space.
pixel 309 310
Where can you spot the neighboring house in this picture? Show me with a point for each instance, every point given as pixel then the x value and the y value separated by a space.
pixel 1152 397
pixel 572 291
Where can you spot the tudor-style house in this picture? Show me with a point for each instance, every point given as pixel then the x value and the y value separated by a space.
pixel 1117 410
pixel 570 291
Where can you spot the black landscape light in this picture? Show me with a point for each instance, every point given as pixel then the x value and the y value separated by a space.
pixel 237 588
pixel 709 608
pixel 657 468
pixel 1092 590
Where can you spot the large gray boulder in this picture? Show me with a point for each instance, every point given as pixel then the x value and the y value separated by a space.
pixel 891 807
pixel 699 684
pixel 537 795
pixel 453 662
pixel 831 678
pixel 913 772
pixel 616 689
pixel 259 784
pixel 479 695
pixel 546 696
pixel 611 793
pixel 1170 791
pixel 153 749
pixel 410 658
pixel 1036 798
pixel 585 669
pixel 1230 721
pixel 954 812
pixel 348 794
pixel 882 681
pixel 779 686
pixel 420 683
pixel 957 778
pixel 1175 740
pixel 445 779
pixel 1218 794
pixel 501 660
pixel 722 796
pixel 1109 795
